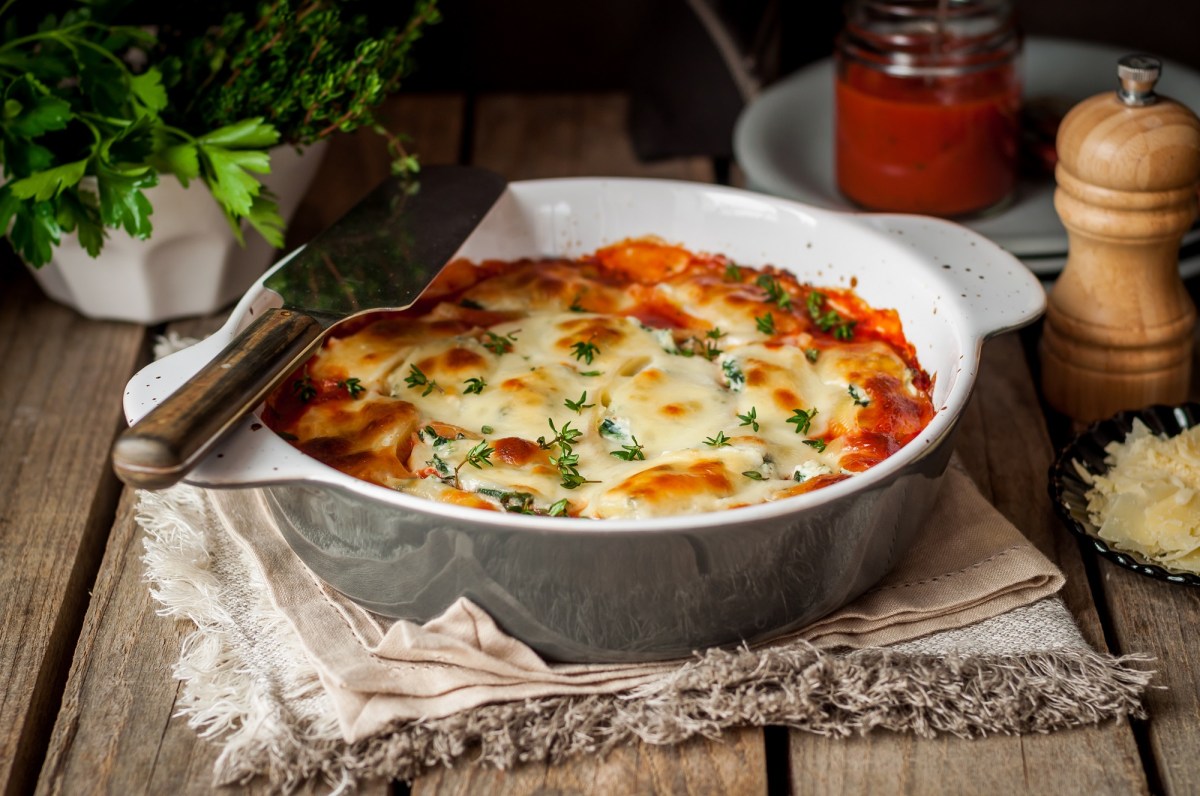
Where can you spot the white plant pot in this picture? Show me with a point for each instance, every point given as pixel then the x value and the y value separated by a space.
pixel 190 265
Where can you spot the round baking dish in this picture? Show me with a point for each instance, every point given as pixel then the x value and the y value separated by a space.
pixel 627 590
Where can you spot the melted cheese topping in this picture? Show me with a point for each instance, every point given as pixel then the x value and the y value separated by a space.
pixel 641 381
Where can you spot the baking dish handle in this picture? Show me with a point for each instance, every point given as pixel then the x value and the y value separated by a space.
pixel 993 291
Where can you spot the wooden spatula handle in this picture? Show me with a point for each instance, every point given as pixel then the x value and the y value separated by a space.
pixel 165 444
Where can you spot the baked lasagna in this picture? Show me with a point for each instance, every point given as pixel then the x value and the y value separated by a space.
pixel 642 380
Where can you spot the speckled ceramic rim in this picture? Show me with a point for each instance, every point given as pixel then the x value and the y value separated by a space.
pixel 1068 490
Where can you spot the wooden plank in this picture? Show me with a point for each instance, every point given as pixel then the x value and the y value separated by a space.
pixel 733 764
pixel 1160 619
pixel 566 135
pixel 116 731
pixel 1004 445
pixel 355 163
pixel 59 412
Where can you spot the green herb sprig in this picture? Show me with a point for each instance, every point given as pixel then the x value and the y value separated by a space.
pixel 578 406
pixel 827 319
pixel 775 291
pixel 719 441
pixel 352 386
pixel 630 453
pixel 585 351
pixel 500 345
pixel 750 419
pixel 75 109
pixel 802 419
pixel 417 378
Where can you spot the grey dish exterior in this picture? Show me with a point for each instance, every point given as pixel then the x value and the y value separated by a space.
pixel 660 587
pixel 588 594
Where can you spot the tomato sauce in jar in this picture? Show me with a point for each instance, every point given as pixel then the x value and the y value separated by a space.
pixel 928 98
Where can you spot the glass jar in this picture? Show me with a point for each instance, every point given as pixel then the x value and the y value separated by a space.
pixel 928 98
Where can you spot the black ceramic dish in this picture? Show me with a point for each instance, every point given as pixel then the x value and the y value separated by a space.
pixel 1068 490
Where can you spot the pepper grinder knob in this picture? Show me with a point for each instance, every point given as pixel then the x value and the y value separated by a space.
pixel 1138 74
pixel 1119 322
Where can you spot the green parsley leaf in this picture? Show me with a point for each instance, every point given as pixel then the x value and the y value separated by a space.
pixel 50 183
pixel 149 91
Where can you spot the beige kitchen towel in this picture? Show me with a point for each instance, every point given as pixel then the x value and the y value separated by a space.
pixel 968 564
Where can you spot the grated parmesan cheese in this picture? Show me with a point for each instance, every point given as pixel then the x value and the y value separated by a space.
pixel 1149 500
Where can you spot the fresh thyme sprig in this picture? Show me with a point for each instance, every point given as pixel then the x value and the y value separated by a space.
pixel 750 419
pixel 304 388
pixel 578 406
pixel 417 378
pixel 802 419
pixel 567 461
pixel 819 444
pixel 585 350
pixel 827 319
pixel 719 441
pixel 732 272
pixel 352 386
pixel 500 345
pixel 630 453
pixel 775 291
pixel 479 455
pixel 859 398
pixel 765 323
pixel 475 386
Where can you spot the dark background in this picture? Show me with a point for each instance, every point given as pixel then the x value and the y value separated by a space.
pixel 683 99
pixel 486 45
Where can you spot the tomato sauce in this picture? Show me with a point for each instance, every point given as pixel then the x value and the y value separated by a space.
pixel 944 146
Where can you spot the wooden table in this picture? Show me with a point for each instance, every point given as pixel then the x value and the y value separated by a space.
pixel 88 698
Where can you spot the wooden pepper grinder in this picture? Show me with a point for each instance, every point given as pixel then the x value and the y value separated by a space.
pixel 1119 324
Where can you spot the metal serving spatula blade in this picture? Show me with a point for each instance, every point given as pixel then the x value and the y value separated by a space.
pixel 380 255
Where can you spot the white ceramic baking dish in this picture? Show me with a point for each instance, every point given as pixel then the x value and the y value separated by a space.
pixel 655 588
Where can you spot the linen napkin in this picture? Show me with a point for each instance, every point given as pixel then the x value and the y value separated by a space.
pixel 968 564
